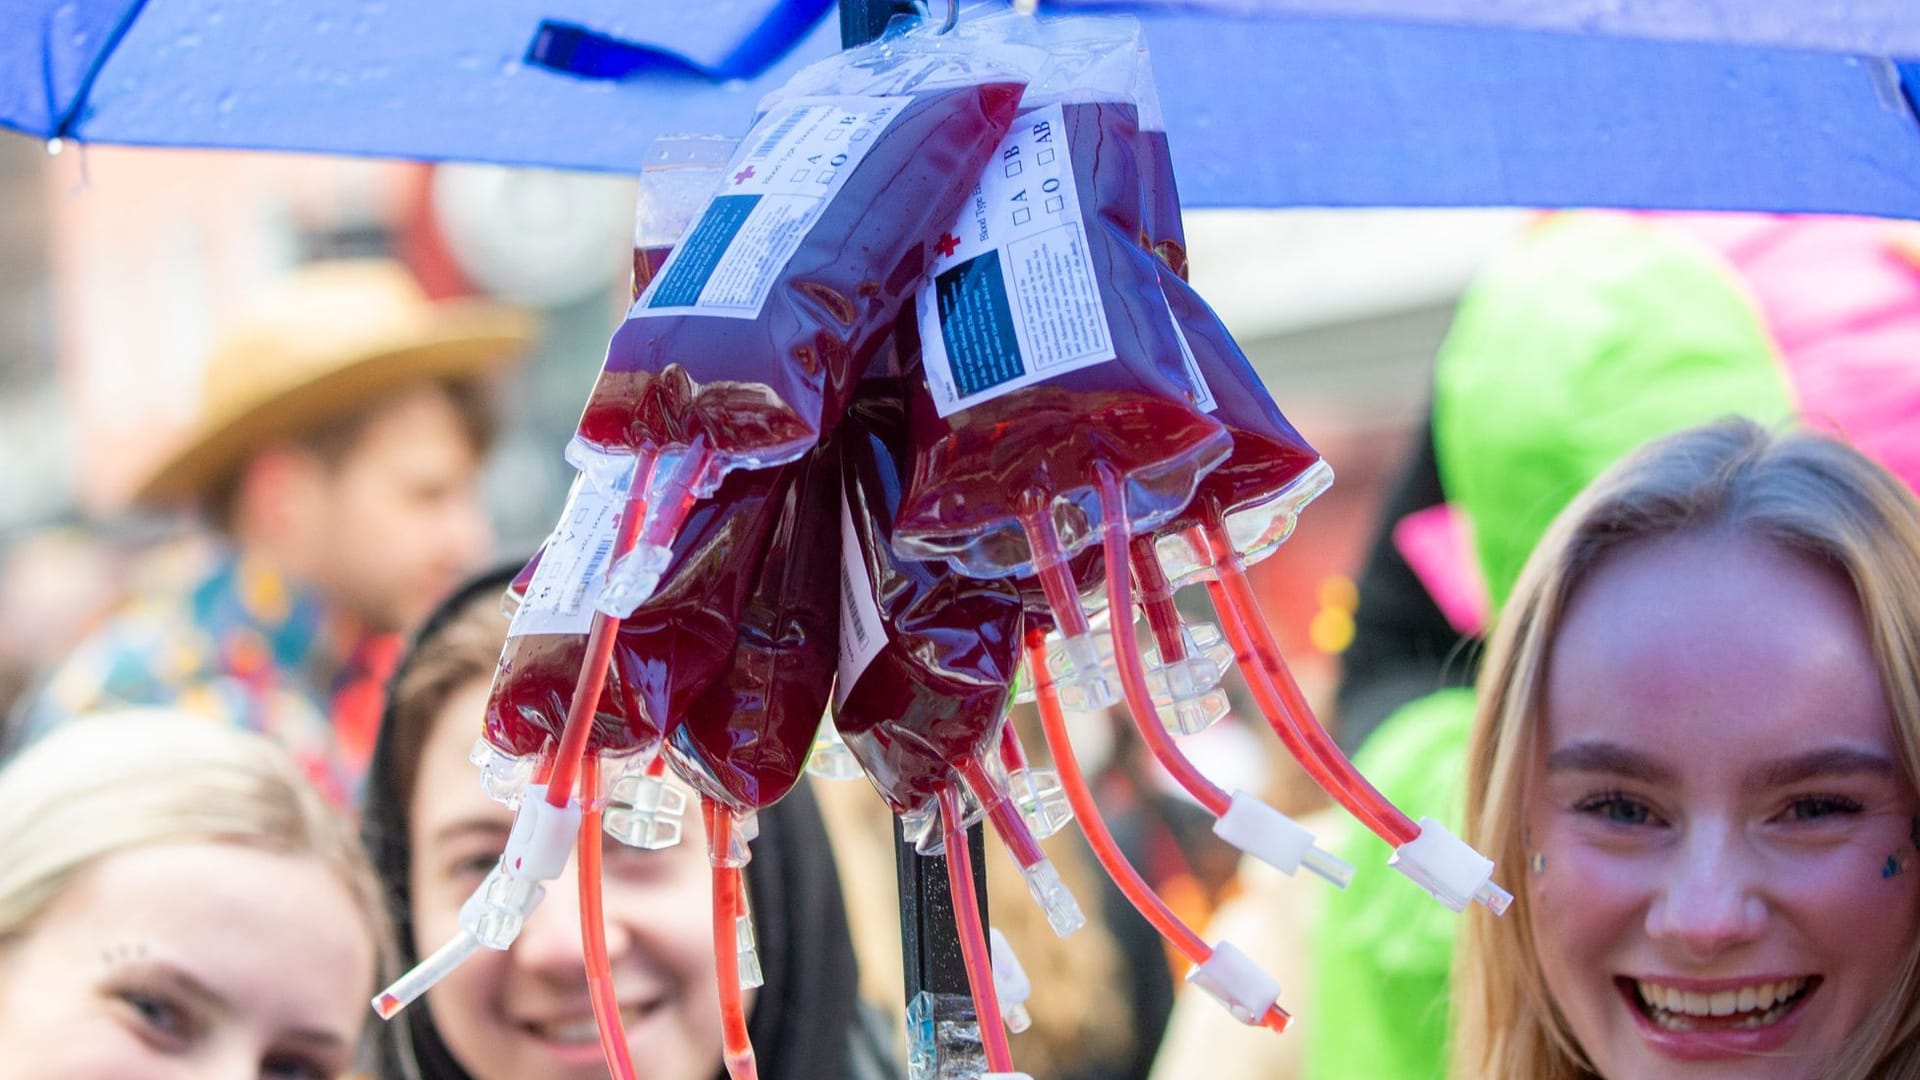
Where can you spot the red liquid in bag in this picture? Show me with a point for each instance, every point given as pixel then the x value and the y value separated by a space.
pixel 979 470
pixel 934 695
pixel 666 652
pixel 767 389
pixel 1268 453
pixel 744 740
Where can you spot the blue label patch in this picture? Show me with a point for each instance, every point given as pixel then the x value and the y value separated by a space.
pixel 976 322
pixel 700 253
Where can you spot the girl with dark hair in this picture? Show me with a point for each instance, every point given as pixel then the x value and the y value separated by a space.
pixel 525 1014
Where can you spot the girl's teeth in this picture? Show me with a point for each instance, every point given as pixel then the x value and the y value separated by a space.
pixel 577 1032
pixel 1676 1009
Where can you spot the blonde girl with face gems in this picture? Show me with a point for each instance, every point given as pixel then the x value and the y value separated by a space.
pixel 177 903
pixel 1697 740
pixel 525 1014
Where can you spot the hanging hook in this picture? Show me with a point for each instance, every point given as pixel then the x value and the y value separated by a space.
pixel 953 17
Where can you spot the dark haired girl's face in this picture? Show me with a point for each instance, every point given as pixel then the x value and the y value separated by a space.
pixel 1724 879
pixel 525 1012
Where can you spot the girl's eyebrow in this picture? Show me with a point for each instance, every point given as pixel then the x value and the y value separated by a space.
pixel 487 827
pixel 1600 756
pixel 1824 761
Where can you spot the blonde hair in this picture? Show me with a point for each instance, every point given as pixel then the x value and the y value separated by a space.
pixel 1803 492
pixel 110 783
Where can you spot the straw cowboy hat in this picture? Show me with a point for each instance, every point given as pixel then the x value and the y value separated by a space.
pixel 334 337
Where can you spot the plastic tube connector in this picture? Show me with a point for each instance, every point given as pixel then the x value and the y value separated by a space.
pixel 1010 983
pixel 1185 690
pixel 1231 977
pixel 1041 800
pixel 537 851
pixel 1449 870
pixel 502 776
pixel 737 852
pixel 1062 910
pixel 647 812
pixel 1080 675
pixel 922 827
pixel 747 952
pixel 1278 840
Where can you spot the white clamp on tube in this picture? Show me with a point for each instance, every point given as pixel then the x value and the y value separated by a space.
pixel 1232 978
pixel 1278 840
pixel 1010 983
pixel 537 851
pixel 1450 871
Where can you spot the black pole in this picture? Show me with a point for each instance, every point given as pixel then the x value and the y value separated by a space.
pixel 937 994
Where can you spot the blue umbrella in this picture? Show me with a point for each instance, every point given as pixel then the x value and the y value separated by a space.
pixel 1269 102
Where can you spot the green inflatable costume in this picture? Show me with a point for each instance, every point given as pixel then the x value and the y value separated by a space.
pixel 1597 333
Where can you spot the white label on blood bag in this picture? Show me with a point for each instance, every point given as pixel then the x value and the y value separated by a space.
pixel 1197 385
pixel 788 168
pixel 862 634
pixel 1013 300
pixel 573 565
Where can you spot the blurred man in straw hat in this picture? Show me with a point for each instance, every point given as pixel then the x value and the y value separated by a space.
pixel 335 455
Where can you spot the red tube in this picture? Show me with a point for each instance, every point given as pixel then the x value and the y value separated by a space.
pixel 973 937
pixel 1286 707
pixel 741 1064
pixel 1050 566
pixel 1087 812
pixel 657 525
pixel 593 672
pixel 1156 599
pixel 1012 754
pixel 1004 815
pixel 1126 654
pixel 593 933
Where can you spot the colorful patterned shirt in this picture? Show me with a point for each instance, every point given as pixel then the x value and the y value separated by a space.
pixel 239 644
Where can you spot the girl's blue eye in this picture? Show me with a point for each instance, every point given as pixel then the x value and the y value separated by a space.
pixel 162 1018
pixel 1616 808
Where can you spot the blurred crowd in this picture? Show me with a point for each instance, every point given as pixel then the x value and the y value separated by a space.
pixel 239 710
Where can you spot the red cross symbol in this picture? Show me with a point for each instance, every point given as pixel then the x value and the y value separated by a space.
pixel 743 175
pixel 948 244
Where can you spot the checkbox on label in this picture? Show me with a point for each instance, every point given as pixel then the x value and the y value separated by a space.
pixel 1046 157
pixel 836 134
pixel 1022 216
pixel 799 176
pixel 1054 203
pixel 1013 169
pixel 862 135
pixel 826 176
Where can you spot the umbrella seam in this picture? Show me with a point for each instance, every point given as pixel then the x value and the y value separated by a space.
pixel 71 117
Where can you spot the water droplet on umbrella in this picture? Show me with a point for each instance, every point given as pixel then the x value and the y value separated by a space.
pixel 227 101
